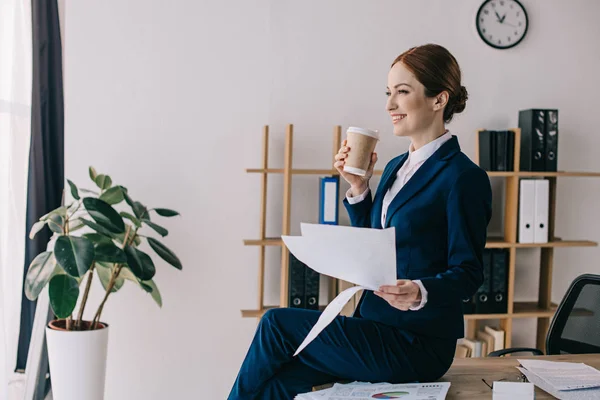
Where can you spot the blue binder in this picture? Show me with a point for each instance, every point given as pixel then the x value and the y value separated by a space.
pixel 329 190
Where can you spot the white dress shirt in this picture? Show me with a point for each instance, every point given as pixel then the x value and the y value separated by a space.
pixel 415 159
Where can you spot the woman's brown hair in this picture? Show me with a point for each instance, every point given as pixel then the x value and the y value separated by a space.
pixel 436 68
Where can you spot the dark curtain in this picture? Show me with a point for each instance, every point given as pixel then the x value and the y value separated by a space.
pixel 46 156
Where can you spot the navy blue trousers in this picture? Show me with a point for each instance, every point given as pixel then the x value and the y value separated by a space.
pixel 348 349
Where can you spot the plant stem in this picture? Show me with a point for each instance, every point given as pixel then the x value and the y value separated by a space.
pixel 113 279
pixel 69 322
pixel 85 296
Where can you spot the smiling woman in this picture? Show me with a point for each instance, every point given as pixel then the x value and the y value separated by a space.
pixel 439 204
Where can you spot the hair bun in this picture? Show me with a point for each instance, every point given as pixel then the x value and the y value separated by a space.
pixel 462 96
pixel 460 101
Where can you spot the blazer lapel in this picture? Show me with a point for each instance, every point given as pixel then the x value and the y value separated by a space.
pixel 385 183
pixel 426 172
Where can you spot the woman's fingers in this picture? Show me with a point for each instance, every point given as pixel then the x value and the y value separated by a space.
pixel 340 156
pixel 396 301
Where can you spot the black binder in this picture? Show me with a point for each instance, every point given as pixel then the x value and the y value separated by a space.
pixel 296 282
pixel 551 133
pixel 501 138
pixel 533 139
pixel 499 302
pixel 510 151
pixel 468 306
pixel 486 151
pixel 311 289
pixel 482 297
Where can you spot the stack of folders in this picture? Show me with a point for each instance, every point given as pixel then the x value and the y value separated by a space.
pixel 304 283
pixel 534 197
pixel 563 380
pixel 487 340
pixel 491 297
pixel 496 150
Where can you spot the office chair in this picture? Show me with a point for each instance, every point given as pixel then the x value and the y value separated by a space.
pixel 575 327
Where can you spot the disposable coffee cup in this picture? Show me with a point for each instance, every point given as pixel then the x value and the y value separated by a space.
pixel 362 143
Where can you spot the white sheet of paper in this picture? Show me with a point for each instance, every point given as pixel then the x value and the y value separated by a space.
pixel 564 375
pixel 328 315
pixel 581 394
pixel 362 256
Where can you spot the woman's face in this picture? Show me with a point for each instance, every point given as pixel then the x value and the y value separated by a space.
pixel 410 110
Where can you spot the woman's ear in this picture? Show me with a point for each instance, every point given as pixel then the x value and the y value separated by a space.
pixel 440 100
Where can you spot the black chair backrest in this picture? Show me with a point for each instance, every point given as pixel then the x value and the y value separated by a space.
pixel 575 328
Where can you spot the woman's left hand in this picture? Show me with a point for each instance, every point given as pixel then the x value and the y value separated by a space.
pixel 403 295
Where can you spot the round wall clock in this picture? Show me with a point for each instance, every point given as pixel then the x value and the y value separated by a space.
pixel 502 24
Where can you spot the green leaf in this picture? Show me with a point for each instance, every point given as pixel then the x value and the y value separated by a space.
pixel 36 228
pixel 104 273
pixel 154 292
pixel 39 273
pixel 131 218
pixel 108 252
pixel 114 195
pixel 165 253
pixel 74 254
pixel 93 173
pixel 75 225
pixel 127 274
pixel 64 291
pixel 140 210
pixel 165 212
pixel 97 228
pixel 159 229
pixel 140 263
pixel 121 237
pixel 126 196
pixel 104 214
pixel 89 191
pixel 74 191
pixel 55 223
pixel 103 181
pixel 62 211
pixel 97 238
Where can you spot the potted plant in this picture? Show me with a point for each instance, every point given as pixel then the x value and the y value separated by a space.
pixel 91 238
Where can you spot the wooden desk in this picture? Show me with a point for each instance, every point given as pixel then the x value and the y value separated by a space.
pixel 466 374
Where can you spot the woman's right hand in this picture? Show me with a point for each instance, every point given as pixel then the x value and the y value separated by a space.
pixel 358 184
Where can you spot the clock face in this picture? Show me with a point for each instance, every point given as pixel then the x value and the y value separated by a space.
pixel 502 23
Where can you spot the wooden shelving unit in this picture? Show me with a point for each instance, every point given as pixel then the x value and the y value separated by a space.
pixel 262 241
pixel 542 310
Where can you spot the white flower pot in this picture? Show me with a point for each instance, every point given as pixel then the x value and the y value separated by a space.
pixel 77 363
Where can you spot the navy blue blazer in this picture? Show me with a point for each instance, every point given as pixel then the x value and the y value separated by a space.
pixel 440 216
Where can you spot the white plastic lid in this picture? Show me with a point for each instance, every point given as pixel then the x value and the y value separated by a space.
pixel 363 131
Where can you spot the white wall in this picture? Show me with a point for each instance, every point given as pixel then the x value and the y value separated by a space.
pixel 169 98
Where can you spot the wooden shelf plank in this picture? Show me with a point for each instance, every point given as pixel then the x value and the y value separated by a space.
pixel 531 309
pixel 500 244
pixel 300 171
pixel 265 242
pixel 528 309
pixel 260 313
pixel 491 244
pixel 559 243
pixel 524 174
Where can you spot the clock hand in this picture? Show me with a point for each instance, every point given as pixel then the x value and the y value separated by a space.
pixel 504 16
pixel 498 15
pixel 506 23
